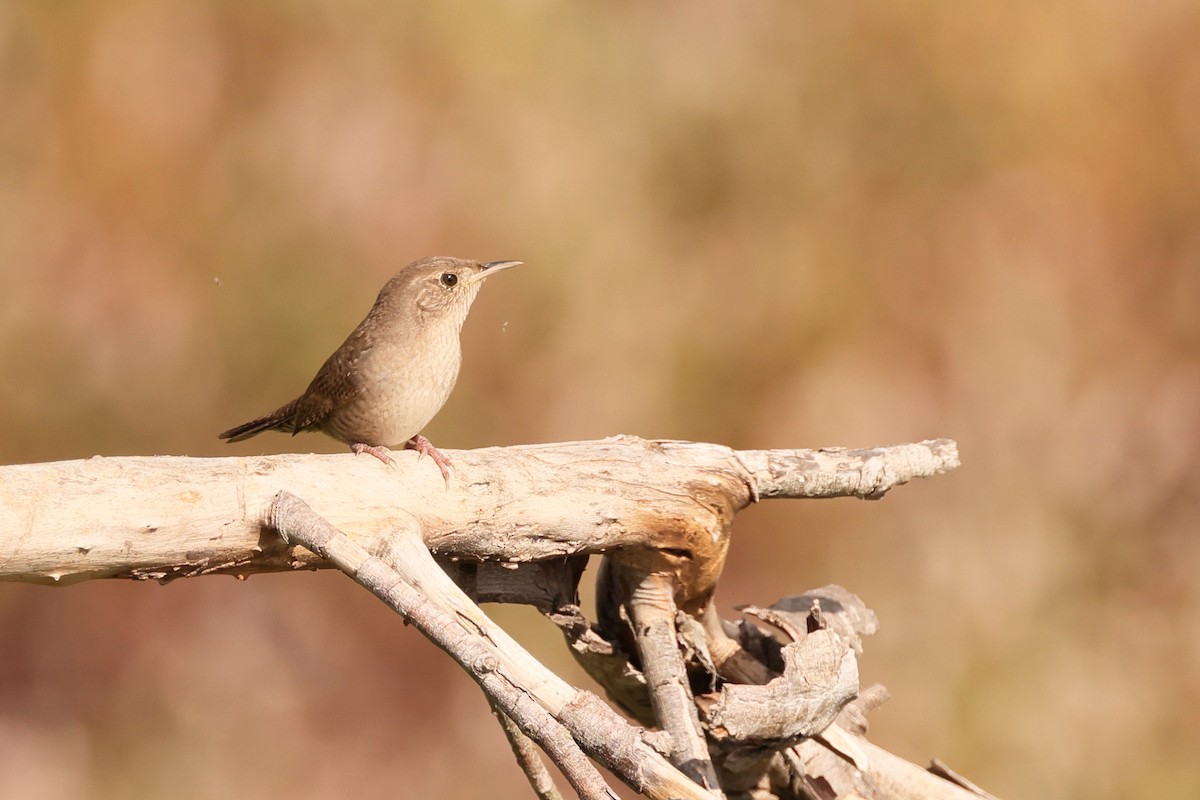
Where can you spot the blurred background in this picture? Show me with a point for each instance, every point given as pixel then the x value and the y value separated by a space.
pixel 764 225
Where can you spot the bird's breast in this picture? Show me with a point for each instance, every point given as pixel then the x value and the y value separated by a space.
pixel 401 388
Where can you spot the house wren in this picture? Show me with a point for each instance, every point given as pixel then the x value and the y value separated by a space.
pixel 396 370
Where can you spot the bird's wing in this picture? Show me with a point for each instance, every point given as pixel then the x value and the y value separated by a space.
pixel 334 386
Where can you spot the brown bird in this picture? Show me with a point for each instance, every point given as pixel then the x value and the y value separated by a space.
pixel 396 370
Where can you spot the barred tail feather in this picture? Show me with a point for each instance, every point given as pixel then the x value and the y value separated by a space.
pixel 282 419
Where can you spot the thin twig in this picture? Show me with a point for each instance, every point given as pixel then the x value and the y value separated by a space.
pixel 526 753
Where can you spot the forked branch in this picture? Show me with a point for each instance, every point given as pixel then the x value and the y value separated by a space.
pixel 405 576
pixel 517 525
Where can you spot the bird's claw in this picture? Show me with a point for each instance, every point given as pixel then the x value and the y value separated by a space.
pixel 379 451
pixel 424 447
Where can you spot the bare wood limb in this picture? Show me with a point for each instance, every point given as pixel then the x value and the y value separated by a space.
pixel 517 525
pixel 652 606
pixel 730 659
pixel 868 473
pixel 849 763
pixel 942 771
pixel 544 706
pixel 527 755
pixel 804 647
pixel 166 517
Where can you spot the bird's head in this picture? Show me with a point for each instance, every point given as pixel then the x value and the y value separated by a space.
pixel 438 288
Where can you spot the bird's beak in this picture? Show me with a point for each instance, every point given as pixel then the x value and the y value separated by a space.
pixel 496 266
pixel 492 267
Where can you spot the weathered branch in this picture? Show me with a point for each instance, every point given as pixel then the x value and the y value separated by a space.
pixel 525 751
pixel 166 517
pixel 652 609
pixel 405 577
pixel 744 710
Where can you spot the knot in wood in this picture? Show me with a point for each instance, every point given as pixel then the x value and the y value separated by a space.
pixel 485 664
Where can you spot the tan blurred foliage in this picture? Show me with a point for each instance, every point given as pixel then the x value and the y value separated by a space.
pixel 765 225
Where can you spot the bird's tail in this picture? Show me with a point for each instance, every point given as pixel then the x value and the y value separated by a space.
pixel 281 419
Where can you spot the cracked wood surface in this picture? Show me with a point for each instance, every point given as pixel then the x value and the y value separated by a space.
pixel 163 517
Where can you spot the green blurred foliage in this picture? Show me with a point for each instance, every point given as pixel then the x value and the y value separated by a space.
pixel 766 225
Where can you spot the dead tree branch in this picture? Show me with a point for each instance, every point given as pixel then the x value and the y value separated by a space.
pixel 406 577
pixel 748 709
pixel 167 517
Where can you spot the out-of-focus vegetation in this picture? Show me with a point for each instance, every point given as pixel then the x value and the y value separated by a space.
pixel 765 225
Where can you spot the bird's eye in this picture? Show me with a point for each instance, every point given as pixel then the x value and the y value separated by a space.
pixel 449 279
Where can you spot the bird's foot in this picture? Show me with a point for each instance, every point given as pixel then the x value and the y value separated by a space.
pixel 424 447
pixel 380 452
